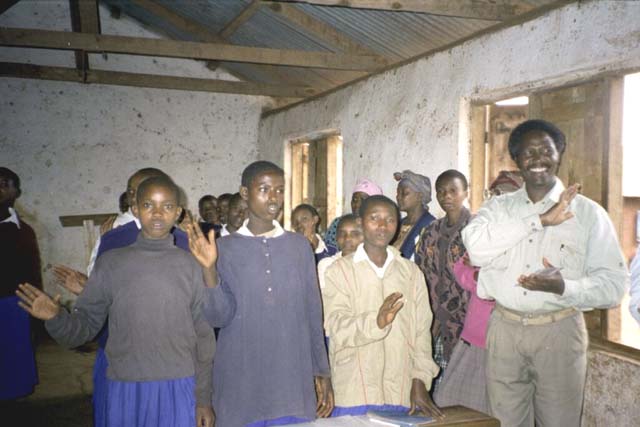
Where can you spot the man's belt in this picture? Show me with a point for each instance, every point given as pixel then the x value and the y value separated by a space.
pixel 533 318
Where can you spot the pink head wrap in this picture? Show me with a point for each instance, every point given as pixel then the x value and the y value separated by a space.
pixel 366 186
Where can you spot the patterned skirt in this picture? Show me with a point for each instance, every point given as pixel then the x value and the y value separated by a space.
pixel 168 403
pixel 18 375
pixel 464 382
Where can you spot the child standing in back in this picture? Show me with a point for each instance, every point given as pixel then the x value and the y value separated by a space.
pixel 159 342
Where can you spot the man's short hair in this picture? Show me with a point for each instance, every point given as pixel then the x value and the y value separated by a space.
pixel 517 135
pixel 147 173
pixel 258 168
pixel 378 198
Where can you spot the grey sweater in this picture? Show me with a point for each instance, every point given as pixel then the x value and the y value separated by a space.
pixel 152 293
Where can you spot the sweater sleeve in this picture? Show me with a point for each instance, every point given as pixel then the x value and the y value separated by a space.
pixel 346 327
pixel 205 345
pixel 219 306
pixel 89 313
pixel 314 315
pixel 424 368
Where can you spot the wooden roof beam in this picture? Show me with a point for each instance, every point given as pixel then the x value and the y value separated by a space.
pixel 30 71
pixel 246 14
pixel 21 37
pixel 492 10
pixel 318 28
pixel 85 18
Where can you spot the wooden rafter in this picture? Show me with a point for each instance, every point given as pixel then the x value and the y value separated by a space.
pixel 21 37
pixel 318 28
pixel 246 14
pixel 30 71
pixel 6 4
pixel 84 19
pixel 493 10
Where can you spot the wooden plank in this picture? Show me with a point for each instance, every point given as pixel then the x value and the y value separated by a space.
pixel 79 220
pixel 20 37
pixel 84 19
pixel 458 416
pixel 318 28
pixel 6 4
pixel 493 10
pixel 29 71
pixel 246 14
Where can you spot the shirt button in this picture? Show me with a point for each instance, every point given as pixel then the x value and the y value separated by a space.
pixel 266 254
pixel 524 293
pixel 527 265
pixel 265 240
pixel 530 240
pixel 268 271
pixel 268 289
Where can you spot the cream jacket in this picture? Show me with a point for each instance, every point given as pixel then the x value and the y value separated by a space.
pixel 369 365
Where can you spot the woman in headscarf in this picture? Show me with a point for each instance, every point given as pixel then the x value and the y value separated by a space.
pixel 363 189
pixel 413 196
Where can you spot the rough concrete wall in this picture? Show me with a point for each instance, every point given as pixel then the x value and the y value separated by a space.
pixel 74 145
pixel 611 395
pixel 416 117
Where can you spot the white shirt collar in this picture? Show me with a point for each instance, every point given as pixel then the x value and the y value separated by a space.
pixel 553 194
pixel 244 230
pixel 224 231
pixel 13 217
pixel 321 246
pixel 361 255
pixel 125 218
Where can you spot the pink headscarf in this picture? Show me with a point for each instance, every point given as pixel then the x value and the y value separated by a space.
pixel 367 186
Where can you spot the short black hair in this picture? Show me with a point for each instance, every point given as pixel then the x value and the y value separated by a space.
pixel 346 218
pixel 159 181
pixel 13 177
pixel 517 135
pixel 235 199
pixel 225 196
pixel 378 198
pixel 147 173
pixel 205 198
pixel 258 168
pixel 452 174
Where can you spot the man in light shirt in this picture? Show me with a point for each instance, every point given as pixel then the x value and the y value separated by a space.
pixel 546 254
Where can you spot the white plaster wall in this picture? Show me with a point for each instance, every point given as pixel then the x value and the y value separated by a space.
pixel 416 117
pixel 74 146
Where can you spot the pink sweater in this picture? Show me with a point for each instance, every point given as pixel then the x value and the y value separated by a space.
pixel 479 310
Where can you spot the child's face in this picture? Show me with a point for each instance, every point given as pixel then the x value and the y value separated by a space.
pixel 304 222
pixel 132 187
pixel 379 224
pixel 237 214
pixel 451 195
pixel 209 211
pixel 158 210
pixel 407 198
pixel 223 210
pixel 349 236
pixel 264 196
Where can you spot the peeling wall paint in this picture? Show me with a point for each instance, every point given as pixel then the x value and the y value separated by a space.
pixel 74 146
pixel 414 117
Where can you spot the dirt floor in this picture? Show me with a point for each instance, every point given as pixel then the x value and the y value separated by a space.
pixel 63 396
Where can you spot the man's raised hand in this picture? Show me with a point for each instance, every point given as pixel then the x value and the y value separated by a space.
pixel 389 308
pixel 558 213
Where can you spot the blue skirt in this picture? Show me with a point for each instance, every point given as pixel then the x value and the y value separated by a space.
pixel 100 389
pixel 18 374
pixel 168 403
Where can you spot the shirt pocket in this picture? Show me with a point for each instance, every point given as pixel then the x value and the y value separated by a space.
pixel 344 370
pixel 566 250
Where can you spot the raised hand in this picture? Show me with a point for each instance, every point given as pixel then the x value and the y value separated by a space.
pixel 204 250
pixel 549 279
pixel 324 392
pixel 421 401
pixel 70 279
pixel 558 213
pixel 37 303
pixel 388 310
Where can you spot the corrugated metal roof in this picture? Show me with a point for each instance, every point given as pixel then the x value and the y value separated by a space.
pixel 394 35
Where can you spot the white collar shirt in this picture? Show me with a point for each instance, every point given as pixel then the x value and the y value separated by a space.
pixel 277 229
pixel 13 217
pixel 361 255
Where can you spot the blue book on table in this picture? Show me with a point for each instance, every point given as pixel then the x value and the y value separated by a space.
pixel 400 419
